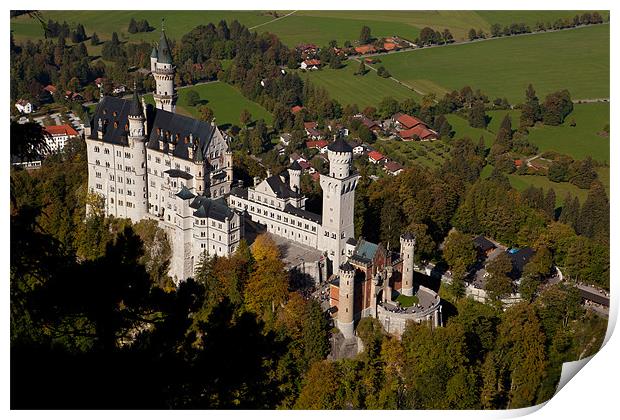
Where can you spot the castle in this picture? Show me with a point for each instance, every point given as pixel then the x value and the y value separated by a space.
pixel 149 162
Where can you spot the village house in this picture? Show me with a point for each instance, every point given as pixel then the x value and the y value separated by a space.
pixel 393 168
pixel 411 128
pixel 311 64
pixel 373 126
pixel 307 50
pixel 285 138
pixel 311 130
pixel 375 157
pixel 320 145
pixel 24 106
pixel 365 49
pixel 51 89
pixel 59 135
pixel 296 109
pixel 483 246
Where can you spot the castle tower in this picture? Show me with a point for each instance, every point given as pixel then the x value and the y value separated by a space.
pixel 345 300
pixel 338 187
pixel 294 177
pixel 163 71
pixel 136 138
pixel 407 247
pixel 228 163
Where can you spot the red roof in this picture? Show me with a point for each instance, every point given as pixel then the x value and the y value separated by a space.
pixel 419 130
pixel 365 49
pixel 389 46
pixel 408 121
pixel 393 166
pixel 304 164
pixel 313 62
pixel 376 156
pixel 319 144
pixel 310 124
pixel 296 109
pixel 61 130
pixel 50 88
pixel 518 162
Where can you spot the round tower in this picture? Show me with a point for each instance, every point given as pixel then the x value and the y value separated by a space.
pixel 340 155
pixel 136 139
pixel 294 177
pixel 345 300
pixel 407 247
pixel 165 95
pixel 153 58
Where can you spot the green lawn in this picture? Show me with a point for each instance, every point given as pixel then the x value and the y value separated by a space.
pixel 225 101
pixel 462 128
pixel 407 301
pixel 347 88
pixel 577 60
pixel 177 23
pixel 426 153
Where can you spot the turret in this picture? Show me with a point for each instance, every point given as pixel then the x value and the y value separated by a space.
pixel 228 163
pixel 153 58
pixel 163 71
pixel 407 247
pixel 340 154
pixel 136 137
pixel 346 300
pixel 294 177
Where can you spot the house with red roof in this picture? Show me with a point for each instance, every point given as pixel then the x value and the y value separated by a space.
pixel 419 132
pixel 393 168
pixel 405 121
pixel 296 109
pixel 311 64
pixel 375 157
pixel 365 49
pixel 58 135
pixel 320 145
pixel 51 89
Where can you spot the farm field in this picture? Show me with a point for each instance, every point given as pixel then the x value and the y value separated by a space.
pixel 177 23
pixel 367 90
pixel 225 101
pixel 304 26
pixel 426 153
pixel 504 67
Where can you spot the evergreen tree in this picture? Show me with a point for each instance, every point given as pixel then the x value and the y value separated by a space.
pixel 530 111
pixel 593 219
pixel 133 26
pixel 365 36
pixel 504 134
pixel 477 117
pixel 361 69
pixel 443 127
pixel 556 107
pixel 549 206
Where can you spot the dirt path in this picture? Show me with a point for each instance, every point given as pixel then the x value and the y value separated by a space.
pixel 272 20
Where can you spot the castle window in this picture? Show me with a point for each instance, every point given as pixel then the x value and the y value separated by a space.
pixel 148 157
pixel 118 153
pixel 111 200
pixel 97 162
pixel 96 149
pixel 107 164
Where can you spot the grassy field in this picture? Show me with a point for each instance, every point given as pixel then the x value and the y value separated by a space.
pixel 178 22
pixel 225 101
pixel 521 182
pixel 367 90
pixel 577 60
pixel 426 153
pixel 304 26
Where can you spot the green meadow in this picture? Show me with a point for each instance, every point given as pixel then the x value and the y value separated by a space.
pixel 347 88
pixel 576 59
pixel 225 101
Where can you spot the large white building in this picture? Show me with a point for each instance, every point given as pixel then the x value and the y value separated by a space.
pixel 148 162
pixel 152 163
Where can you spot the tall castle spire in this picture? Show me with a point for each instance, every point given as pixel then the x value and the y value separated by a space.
pixel 163 71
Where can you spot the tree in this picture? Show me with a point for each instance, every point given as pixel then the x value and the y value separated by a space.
pixel 496 30
pixel 556 107
pixel 391 223
pixel 472 34
pixel 570 210
pixel 94 39
pixel 361 69
pixel 530 111
pixel 582 173
pixel 205 113
pixel 320 387
pixel 382 71
pixel 477 117
pixel 498 283
pixel 365 36
pixel 245 117
pixel 504 134
pixel 593 220
pixel 443 127
pixel 192 98
pixel 459 250
pixel 549 206
pixel 388 107
pixel 133 26
pixel 447 36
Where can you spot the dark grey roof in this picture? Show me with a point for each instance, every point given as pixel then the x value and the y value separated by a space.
pixel 340 146
pixel 346 267
pixel 164 55
pixel 295 166
pixel 483 243
pixel 109 111
pixel 519 259
pixel 212 208
pixel 241 192
pixel 305 214
pixel 167 125
pixel 219 175
pixel 185 193
pixel 135 108
pixel 154 52
pixel 351 241
pixel 280 188
pixel 594 297
pixel 177 173
pixel 408 236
